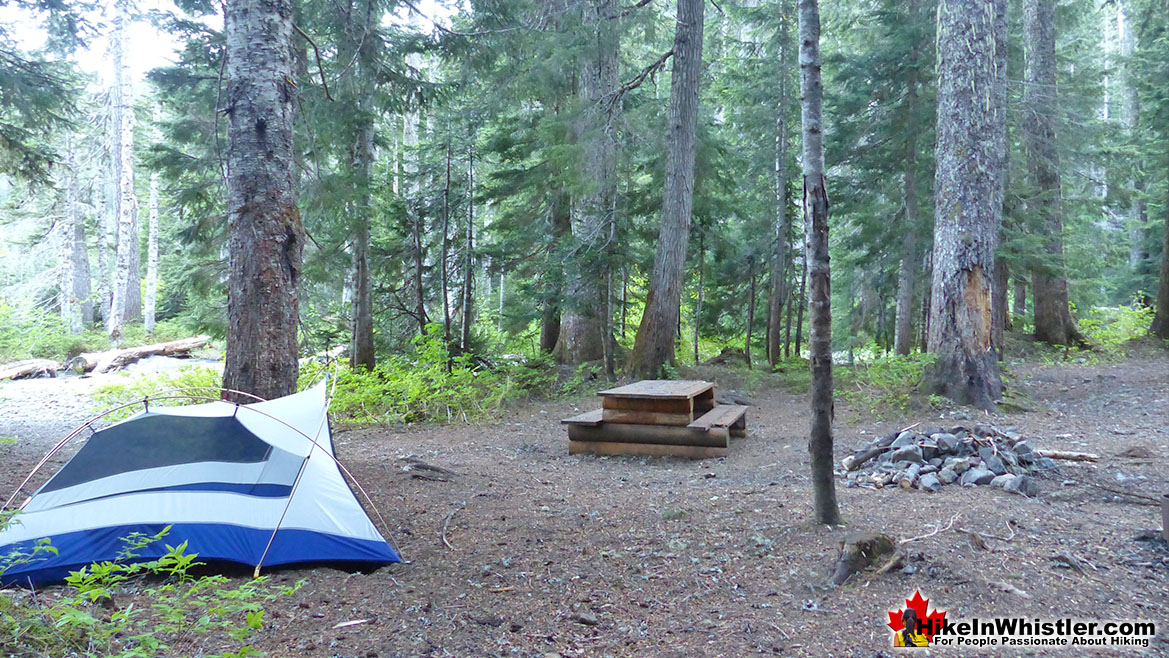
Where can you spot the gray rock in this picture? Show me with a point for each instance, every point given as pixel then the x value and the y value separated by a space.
pixel 929 482
pixel 1011 433
pixel 1001 481
pixel 910 453
pixel 936 461
pixel 901 465
pixel 946 442
pixel 975 476
pixel 947 475
pixel 1024 485
pixel 1047 464
pixel 903 439
pixel 985 430
pixel 959 466
pixel 929 468
pixel 993 462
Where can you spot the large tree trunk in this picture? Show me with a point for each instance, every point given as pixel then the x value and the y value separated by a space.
pixel 126 250
pixel 560 228
pixel 265 233
pixel 361 341
pixel 968 204
pixel 1053 319
pixel 151 302
pixel 654 346
pixel 778 290
pixel 1001 276
pixel 76 306
pixel 820 307
pixel 582 329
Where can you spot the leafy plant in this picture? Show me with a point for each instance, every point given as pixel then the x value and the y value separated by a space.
pixel 430 385
pixel 200 382
pixel 120 609
pixel 883 385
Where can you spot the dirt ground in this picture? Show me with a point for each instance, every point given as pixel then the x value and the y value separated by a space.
pixel 527 551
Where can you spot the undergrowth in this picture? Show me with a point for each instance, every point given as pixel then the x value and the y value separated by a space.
pixel 126 608
pixel 884 386
pixel 431 384
pixel 199 382
pixel 41 335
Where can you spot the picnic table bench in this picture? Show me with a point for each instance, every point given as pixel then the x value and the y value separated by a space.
pixel 658 417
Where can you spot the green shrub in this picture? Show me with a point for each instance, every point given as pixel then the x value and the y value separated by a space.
pixel 121 608
pixel 200 382
pixel 429 385
pixel 37 334
pixel 884 384
pixel 1109 329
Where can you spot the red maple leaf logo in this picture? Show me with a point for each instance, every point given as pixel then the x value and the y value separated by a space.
pixel 931 621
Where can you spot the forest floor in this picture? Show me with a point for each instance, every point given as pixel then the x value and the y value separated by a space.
pixel 528 551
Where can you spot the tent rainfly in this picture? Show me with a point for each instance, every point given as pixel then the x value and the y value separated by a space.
pixel 255 484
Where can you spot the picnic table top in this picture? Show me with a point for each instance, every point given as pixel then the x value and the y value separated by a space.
pixel 666 389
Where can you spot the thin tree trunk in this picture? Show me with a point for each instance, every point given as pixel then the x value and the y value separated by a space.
pixel 968 204
pixel 105 220
pixel 907 268
pixel 468 256
pixel 791 303
pixel 265 233
pixel 778 290
pixel 76 307
pixel 1160 326
pixel 149 307
pixel 362 356
pixel 582 330
pixel 624 297
pixel 998 306
pixel 121 308
pixel 750 315
pixel 1053 319
pixel 802 302
pixel 1019 308
pixel 816 222
pixel 445 249
pixel 701 293
pixel 1130 110
pixel 654 346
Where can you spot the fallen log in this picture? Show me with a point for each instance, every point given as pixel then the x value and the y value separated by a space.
pixel 1069 455
pixel 28 368
pixel 858 459
pixel 108 360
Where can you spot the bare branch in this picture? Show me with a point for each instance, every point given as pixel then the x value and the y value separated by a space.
pixel 320 66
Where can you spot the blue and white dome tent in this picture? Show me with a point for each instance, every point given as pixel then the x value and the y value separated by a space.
pixel 256 484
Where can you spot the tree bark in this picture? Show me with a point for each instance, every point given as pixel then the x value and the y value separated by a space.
pixel 907 269
pixel 1160 327
pixel 701 292
pixel 778 290
pixel 820 307
pixel 1053 319
pixel 1130 110
pixel 1019 306
pixel 582 329
pixel 654 346
pixel 802 302
pixel 968 204
pixel 469 257
pixel 750 313
pixel 151 301
pixel 126 203
pixel 445 249
pixel 361 350
pixel 76 306
pixel 560 219
pixel 265 233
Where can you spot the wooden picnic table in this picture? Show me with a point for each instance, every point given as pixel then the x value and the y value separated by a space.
pixel 657 417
